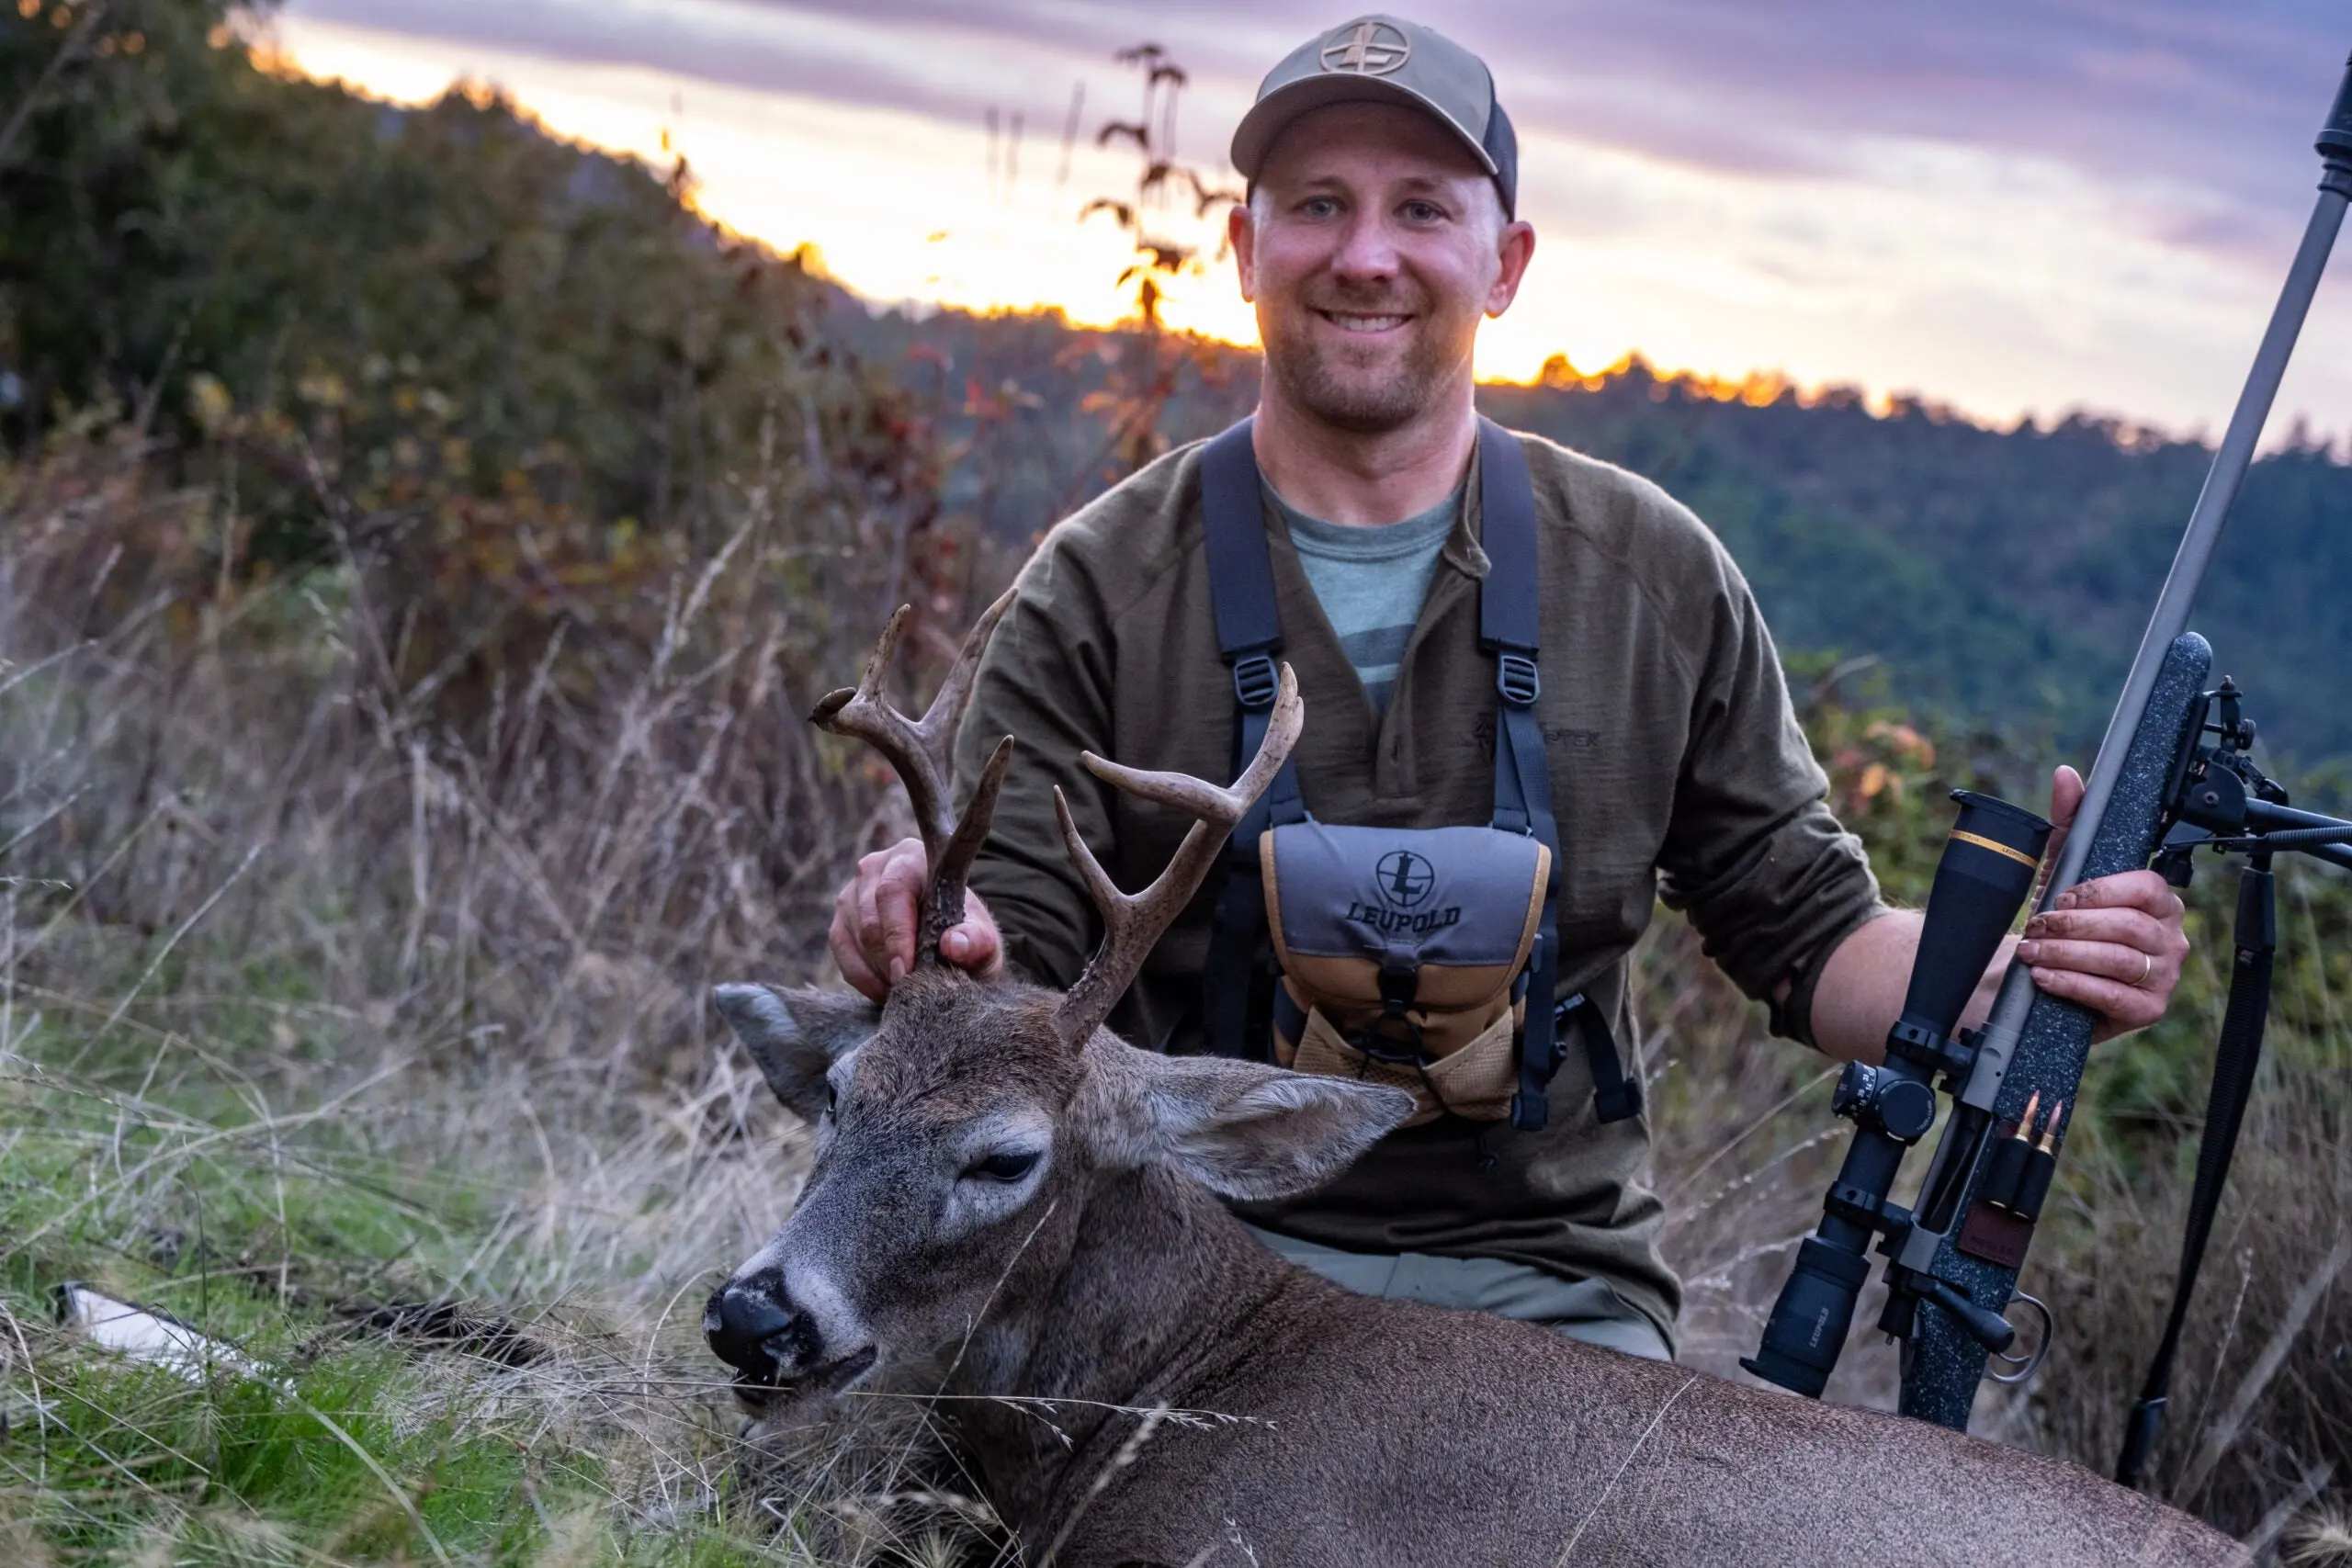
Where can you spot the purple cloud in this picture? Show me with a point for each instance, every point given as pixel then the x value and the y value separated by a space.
pixel 2203 113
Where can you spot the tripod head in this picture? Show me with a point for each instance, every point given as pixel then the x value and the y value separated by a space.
pixel 2218 799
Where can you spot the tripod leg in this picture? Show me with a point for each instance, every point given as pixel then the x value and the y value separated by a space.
pixel 2234 1061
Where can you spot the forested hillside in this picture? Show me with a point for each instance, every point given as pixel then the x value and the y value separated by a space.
pixel 444 310
pixel 410 302
pixel 2003 576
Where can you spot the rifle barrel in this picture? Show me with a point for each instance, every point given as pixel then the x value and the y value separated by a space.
pixel 2170 617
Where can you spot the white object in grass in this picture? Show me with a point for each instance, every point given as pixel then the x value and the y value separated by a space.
pixel 145 1334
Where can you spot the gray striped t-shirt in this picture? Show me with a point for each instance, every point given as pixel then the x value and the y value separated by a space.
pixel 1371 581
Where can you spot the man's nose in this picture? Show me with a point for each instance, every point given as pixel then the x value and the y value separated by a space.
pixel 751 1325
pixel 1366 249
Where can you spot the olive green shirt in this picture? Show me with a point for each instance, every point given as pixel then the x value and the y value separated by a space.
pixel 1678 770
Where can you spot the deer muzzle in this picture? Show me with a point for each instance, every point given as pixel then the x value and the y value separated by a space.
pixel 753 1325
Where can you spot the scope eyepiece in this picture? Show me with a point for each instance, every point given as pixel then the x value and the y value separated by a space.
pixel 1810 1321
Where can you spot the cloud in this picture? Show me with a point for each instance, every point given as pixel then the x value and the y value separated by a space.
pixel 2017 206
pixel 2202 110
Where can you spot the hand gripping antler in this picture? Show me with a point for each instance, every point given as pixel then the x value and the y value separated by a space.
pixel 923 754
pixel 1132 922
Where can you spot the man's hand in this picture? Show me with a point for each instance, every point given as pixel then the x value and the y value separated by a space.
pixel 872 936
pixel 2115 944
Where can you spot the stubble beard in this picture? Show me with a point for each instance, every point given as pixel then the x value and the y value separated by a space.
pixel 1363 398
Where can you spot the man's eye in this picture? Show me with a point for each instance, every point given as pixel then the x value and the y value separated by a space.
pixel 1422 213
pixel 1009 1165
pixel 1318 207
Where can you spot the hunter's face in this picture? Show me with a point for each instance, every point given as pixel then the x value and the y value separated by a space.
pixel 1372 247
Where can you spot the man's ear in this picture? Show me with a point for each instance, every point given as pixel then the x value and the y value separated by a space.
pixel 1241 1129
pixel 1514 248
pixel 1241 237
pixel 796 1035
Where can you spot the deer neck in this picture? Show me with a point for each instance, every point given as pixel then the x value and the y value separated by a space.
pixel 1156 1275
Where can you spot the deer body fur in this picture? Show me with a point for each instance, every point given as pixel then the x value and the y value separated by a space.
pixel 1388 1432
pixel 1004 1184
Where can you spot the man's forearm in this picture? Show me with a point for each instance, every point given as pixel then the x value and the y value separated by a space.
pixel 1859 994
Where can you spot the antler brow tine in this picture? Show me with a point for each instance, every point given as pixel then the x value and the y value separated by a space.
pixel 1133 922
pixel 922 754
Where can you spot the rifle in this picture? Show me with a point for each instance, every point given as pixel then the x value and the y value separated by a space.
pixel 2155 787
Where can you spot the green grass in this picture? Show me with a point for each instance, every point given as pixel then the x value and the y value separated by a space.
pixel 269 1232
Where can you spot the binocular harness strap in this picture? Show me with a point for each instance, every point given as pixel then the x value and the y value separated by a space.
pixel 1249 637
pixel 1509 606
pixel 1248 633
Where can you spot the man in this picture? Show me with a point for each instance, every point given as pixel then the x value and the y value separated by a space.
pixel 1380 226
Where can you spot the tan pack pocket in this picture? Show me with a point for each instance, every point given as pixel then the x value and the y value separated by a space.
pixel 1474 1082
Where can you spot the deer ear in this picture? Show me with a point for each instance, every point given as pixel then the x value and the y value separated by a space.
pixel 796 1035
pixel 1241 1129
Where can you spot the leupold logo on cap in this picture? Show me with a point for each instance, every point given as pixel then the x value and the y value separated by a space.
pixel 1368 48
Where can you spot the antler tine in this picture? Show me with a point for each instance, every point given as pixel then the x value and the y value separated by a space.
pixel 943 908
pixel 863 712
pixel 945 714
pixel 922 754
pixel 1133 922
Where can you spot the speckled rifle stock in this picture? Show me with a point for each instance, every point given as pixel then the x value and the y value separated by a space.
pixel 1943 1366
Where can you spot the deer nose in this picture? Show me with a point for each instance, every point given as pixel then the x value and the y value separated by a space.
pixel 751 1326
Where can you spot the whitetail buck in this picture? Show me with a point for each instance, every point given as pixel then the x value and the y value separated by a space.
pixel 1002 1184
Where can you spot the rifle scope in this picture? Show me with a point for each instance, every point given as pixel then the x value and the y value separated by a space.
pixel 1987 867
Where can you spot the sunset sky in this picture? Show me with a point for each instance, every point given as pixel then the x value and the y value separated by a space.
pixel 2019 207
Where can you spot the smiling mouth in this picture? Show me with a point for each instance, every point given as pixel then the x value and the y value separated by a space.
pixel 816 1383
pixel 1360 321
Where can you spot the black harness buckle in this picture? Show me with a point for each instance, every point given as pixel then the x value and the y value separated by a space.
pixel 1255 681
pixel 1516 679
pixel 1393 1037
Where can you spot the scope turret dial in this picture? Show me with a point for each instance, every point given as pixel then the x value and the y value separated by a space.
pixel 1902 1107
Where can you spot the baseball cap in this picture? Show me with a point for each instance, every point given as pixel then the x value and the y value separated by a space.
pixel 1385 59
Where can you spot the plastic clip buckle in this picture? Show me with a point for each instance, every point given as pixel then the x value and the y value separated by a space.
pixel 1564 1019
pixel 1622 1103
pixel 1256 681
pixel 1516 679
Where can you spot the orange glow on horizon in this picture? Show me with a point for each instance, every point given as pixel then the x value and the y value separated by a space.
pixel 1184 307
pixel 1201 302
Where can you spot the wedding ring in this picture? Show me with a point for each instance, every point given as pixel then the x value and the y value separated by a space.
pixel 2147 967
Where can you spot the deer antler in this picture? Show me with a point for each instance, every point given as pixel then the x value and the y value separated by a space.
pixel 1132 922
pixel 924 755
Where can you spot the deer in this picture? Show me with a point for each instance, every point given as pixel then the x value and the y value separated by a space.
pixel 1003 1186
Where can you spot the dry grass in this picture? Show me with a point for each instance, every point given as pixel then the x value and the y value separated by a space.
pixel 314 998
pixel 321 992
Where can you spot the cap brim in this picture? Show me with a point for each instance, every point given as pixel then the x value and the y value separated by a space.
pixel 1254 137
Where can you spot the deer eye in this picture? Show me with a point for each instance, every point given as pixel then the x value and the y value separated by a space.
pixel 833 1098
pixel 1006 1165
